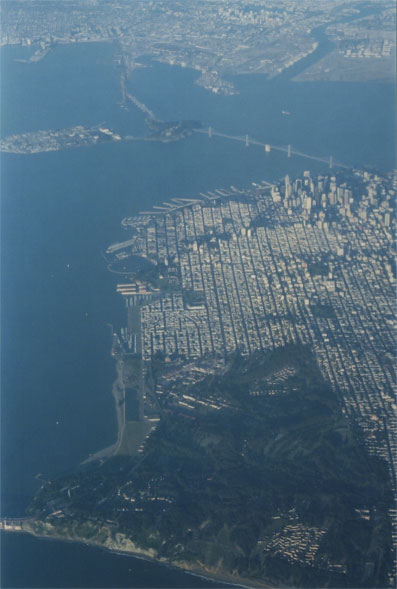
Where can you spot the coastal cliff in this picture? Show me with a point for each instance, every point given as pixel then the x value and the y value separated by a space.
pixel 98 534
pixel 104 536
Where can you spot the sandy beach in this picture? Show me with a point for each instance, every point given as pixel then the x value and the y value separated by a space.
pixel 118 392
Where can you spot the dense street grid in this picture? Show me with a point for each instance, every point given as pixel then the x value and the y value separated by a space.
pixel 307 261
pixel 215 38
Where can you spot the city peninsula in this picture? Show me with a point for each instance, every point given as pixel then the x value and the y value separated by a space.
pixel 254 355
pixel 254 391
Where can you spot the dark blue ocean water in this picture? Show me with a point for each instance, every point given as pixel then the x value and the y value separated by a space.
pixel 61 209
pixel 45 563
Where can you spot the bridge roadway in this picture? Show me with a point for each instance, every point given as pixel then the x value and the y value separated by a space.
pixel 289 150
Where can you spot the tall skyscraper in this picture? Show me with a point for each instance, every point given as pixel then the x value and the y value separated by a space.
pixel 287 187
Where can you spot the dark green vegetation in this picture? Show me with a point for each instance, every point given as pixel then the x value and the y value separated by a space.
pixel 171 130
pixel 273 487
pixel 158 276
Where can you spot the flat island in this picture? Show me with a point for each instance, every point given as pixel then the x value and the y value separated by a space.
pixel 80 136
pixel 57 139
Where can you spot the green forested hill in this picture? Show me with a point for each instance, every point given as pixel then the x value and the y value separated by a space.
pixel 275 486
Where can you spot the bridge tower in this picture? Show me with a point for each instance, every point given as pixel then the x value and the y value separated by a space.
pixel 331 161
pixel 247 141
pixel 267 148
pixel 289 151
pixel 210 132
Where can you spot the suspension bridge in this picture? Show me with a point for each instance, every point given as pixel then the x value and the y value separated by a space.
pixel 288 149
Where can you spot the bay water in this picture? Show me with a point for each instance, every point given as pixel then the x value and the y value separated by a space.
pixel 60 210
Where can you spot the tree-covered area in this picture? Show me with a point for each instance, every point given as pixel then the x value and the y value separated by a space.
pixel 171 129
pixel 241 488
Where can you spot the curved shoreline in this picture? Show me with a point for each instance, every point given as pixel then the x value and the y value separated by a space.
pixel 118 392
pixel 197 570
